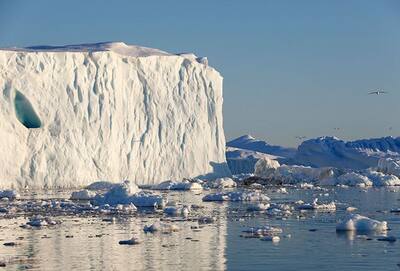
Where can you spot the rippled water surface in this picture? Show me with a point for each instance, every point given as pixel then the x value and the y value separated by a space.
pixel 88 243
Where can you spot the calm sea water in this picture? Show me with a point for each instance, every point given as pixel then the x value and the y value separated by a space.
pixel 217 246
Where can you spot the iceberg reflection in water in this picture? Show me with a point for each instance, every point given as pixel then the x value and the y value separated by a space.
pixel 92 244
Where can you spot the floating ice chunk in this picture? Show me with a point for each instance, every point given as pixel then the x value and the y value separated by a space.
pixel 153 227
pixel 274 239
pixel 306 185
pixel 258 207
pixel 282 190
pixel 221 183
pixel 265 230
pixel 123 194
pixel 175 211
pixel 317 207
pixel 118 194
pixel 9 194
pixel 172 185
pixel 82 195
pixel 39 221
pixel 325 207
pixel 161 227
pixel 236 196
pixel 360 223
pixel 143 199
pixel 354 179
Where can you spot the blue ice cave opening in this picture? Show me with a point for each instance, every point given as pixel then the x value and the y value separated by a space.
pixel 25 112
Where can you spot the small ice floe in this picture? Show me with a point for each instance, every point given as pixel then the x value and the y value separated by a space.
pixel 281 209
pixel 125 193
pixel 274 239
pixel 351 179
pixel 161 227
pixel 144 199
pixel 317 207
pixel 281 190
pixel 360 223
pixel 9 194
pixel 185 185
pixel 306 185
pixel 236 196
pixel 39 221
pixel 126 208
pixel 133 241
pixel 259 232
pixel 176 211
pixel 82 195
pixel 221 183
pixel 258 207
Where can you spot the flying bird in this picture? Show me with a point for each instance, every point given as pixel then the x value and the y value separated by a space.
pixel 301 137
pixel 378 92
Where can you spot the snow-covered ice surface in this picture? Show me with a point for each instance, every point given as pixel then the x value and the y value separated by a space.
pixel 243 153
pixel 384 174
pixel 247 142
pixel 174 185
pixel 358 154
pixel 243 161
pixel 71 115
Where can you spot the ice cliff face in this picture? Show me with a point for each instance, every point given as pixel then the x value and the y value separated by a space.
pixel 74 114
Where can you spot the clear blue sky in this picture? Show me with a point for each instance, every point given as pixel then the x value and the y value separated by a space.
pixel 291 68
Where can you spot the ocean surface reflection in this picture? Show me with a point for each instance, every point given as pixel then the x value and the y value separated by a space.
pixel 89 243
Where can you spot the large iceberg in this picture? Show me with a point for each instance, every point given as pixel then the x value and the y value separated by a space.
pixel 243 153
pixel 74 114
pixel 358 154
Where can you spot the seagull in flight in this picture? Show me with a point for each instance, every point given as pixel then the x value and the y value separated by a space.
pixel 378 92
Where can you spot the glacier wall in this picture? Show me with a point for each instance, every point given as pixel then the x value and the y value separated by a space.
pixel 72 115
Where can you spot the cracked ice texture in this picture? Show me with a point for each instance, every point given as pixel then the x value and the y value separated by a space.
pixel 109 111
